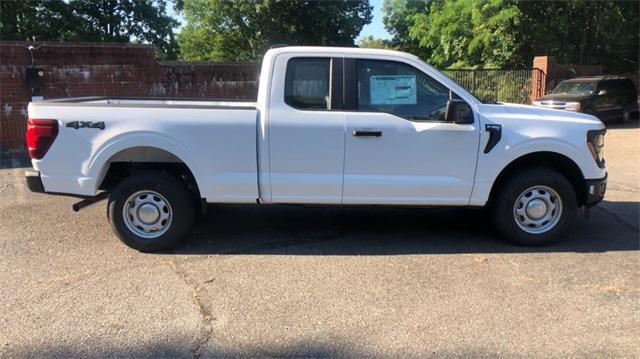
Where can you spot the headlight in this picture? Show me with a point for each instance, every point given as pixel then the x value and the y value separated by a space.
pixel 595 142
pixel 572 106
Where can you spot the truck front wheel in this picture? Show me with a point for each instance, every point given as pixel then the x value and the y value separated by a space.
pixel 534 207
pixel 150 211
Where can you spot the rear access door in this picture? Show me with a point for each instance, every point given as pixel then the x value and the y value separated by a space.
pixel 306 129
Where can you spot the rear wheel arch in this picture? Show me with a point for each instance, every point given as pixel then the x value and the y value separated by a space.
pixel 552 160
pixel 145 159
pixel 139 147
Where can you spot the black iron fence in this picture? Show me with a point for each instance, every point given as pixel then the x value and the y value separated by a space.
pixel 515 86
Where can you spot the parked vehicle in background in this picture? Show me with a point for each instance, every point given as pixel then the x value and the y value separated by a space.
pixel 610 98
pixel 338 126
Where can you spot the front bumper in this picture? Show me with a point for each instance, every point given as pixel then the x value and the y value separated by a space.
pixel 34 182
pixel 595 191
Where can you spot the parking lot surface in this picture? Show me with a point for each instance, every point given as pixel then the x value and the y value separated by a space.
pixel 287 281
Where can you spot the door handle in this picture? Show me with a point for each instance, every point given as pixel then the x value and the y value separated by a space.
pixel 369 133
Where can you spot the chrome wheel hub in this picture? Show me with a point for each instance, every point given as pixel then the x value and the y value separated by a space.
pixel 147 214
pixel 538 209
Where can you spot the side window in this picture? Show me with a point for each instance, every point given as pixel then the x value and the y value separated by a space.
pixel 626 87
pixel 399 89
pixel 307 83
pixel 606 85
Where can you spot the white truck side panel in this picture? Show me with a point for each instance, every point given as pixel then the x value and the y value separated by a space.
pixel 218 146
pixel 418 163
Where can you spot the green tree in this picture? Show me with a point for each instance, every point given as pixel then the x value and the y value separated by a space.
pixel 583 32
pixel 398 19
pixel 371 42
pixel 504 33
pixel 90 20
pixel 244 29
pixel 469 33
pixel 125 20
pixel 47 20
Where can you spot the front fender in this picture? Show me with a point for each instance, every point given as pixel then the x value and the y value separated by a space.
pixel 546 145
pixel 490 166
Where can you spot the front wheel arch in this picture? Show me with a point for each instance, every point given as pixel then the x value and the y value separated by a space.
pixel 552 160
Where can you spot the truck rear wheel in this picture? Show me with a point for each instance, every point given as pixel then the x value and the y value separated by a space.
pixel 150 211
pixel 535 207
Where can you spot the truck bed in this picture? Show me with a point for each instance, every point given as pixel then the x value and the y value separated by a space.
pixel 216 140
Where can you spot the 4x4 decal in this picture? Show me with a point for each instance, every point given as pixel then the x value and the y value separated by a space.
pixel 85 124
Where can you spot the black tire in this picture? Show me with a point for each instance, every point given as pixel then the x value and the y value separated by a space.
pixel 503 210
pixel 172 192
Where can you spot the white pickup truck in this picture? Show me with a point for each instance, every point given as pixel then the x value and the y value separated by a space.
pixel 334 126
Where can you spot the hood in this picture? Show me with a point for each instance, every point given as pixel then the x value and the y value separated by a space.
pixel 517 112
pixel 563 97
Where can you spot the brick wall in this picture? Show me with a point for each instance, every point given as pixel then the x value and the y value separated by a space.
pixel 90 69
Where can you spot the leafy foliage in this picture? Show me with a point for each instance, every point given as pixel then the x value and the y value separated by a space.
pixel 469 33
pixel 398 20
pixel 244 29
pixel 34 20
pixel 501 33
pixel 373 43
pixel 90 20
pixel 583 32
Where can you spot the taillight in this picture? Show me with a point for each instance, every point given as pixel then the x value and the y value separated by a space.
pixel 40 136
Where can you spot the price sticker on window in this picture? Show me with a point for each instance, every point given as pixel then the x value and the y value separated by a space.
pixel 393 90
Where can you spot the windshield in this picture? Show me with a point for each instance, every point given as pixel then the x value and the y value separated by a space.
pixel 575 88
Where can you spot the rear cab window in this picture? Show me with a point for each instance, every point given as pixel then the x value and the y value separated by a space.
pixel 307 83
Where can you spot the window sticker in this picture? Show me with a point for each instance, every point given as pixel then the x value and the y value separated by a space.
pixel 393 90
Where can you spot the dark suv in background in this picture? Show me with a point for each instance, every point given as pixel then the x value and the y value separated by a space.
pixel 610 98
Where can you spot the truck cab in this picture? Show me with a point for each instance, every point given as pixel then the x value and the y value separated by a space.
pixel 359 129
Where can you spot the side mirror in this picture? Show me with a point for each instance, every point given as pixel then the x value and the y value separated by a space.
pixel 458 112
pixel 602 92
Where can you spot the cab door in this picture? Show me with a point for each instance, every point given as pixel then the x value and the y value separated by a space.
pixel 399 148
pixel 306 130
